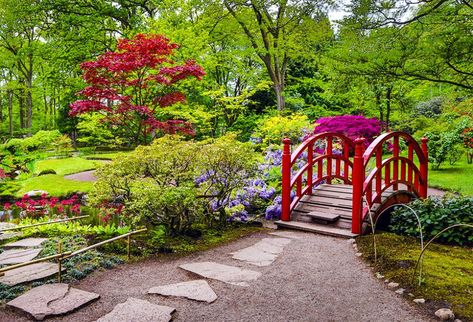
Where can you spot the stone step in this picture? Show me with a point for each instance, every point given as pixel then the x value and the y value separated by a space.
pixel 323 216
pixel 316 228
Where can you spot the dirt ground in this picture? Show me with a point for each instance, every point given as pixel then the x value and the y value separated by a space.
pixel 315 278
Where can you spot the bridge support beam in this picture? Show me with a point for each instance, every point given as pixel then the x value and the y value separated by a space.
pixel 358 178
pixel 286 181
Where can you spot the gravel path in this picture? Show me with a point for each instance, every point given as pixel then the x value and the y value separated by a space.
pixel 82 176
pixel 315 278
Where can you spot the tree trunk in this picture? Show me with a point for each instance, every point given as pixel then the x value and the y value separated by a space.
pixel 381 110
pixel 1 108
pixel 29 96
pixel 10 112
pixel 280 102
pixel 21 105
pixel 388 106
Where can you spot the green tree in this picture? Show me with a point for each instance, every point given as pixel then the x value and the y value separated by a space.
pixel 277 31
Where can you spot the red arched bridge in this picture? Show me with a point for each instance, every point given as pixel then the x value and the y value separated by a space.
pixel 331 184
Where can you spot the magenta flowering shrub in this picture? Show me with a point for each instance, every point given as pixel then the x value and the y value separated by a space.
pixel 353 126
pixel 51 206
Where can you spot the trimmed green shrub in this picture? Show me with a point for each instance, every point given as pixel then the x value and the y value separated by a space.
pixel 41 140
pixel 436 214
pixel 46 171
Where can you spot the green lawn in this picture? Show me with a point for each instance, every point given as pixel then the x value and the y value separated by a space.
pixel 66 166
pixel 447 270
pixel 54 184
pixel 457 177
pixel 110 156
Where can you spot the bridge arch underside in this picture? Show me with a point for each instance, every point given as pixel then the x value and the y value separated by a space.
pixel 381 213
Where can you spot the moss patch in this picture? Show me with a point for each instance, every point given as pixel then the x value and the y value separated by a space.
pixel 447 270
pixel 183 245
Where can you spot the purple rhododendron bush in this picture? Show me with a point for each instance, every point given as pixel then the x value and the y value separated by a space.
pixel 353 126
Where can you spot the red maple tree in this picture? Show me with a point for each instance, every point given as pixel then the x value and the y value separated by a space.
pixel 128 85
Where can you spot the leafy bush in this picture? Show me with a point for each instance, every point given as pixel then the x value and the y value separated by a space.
pixel 436 214
pixel 467 137
pixel 443 146
pixel 447 144
pixel 94 132
pixel 175 182
pixel 273 129
pixel 225 167
pixel 46 171
pixel 42 140
pixel 353 126
pixel 429 109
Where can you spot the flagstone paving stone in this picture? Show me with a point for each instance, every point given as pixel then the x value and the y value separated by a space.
pixel 29 273
pixel 224 273
pixel 5 225
pixel 198 290
pixel 16 256
pixel 52 299
pixel 4 236
pixel 138 310
pixel 263 253
pixel 27 242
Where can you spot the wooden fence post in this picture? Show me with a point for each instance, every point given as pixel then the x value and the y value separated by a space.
pixel 424 166
pixel 286 181
pixel 358 180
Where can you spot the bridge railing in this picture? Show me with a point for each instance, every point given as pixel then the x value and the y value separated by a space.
pixel 372 175
pixel 321 158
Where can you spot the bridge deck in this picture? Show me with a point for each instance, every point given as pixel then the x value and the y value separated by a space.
pixel 327 211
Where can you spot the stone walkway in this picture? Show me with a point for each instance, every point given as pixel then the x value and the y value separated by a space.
pixel 22 251
pixel 87 176
pixel 313 278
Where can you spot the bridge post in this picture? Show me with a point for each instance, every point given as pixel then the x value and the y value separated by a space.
pixel 424 166
pixel 358 180
pixel 286 181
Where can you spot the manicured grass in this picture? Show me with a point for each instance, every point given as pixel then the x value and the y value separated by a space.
pixel 55 184
pixel 109 156
pixel 447 270
pixel 457 177
pixel 65 166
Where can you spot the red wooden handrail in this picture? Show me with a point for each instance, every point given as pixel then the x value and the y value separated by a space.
pixel 303 180
pixel 380 178
pixel 323 167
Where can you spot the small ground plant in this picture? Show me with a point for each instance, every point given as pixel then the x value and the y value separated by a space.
pixel 436 214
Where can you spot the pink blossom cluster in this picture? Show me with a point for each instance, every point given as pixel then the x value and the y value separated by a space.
pixel 352 126
pixel 110 209
pixel 46 206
